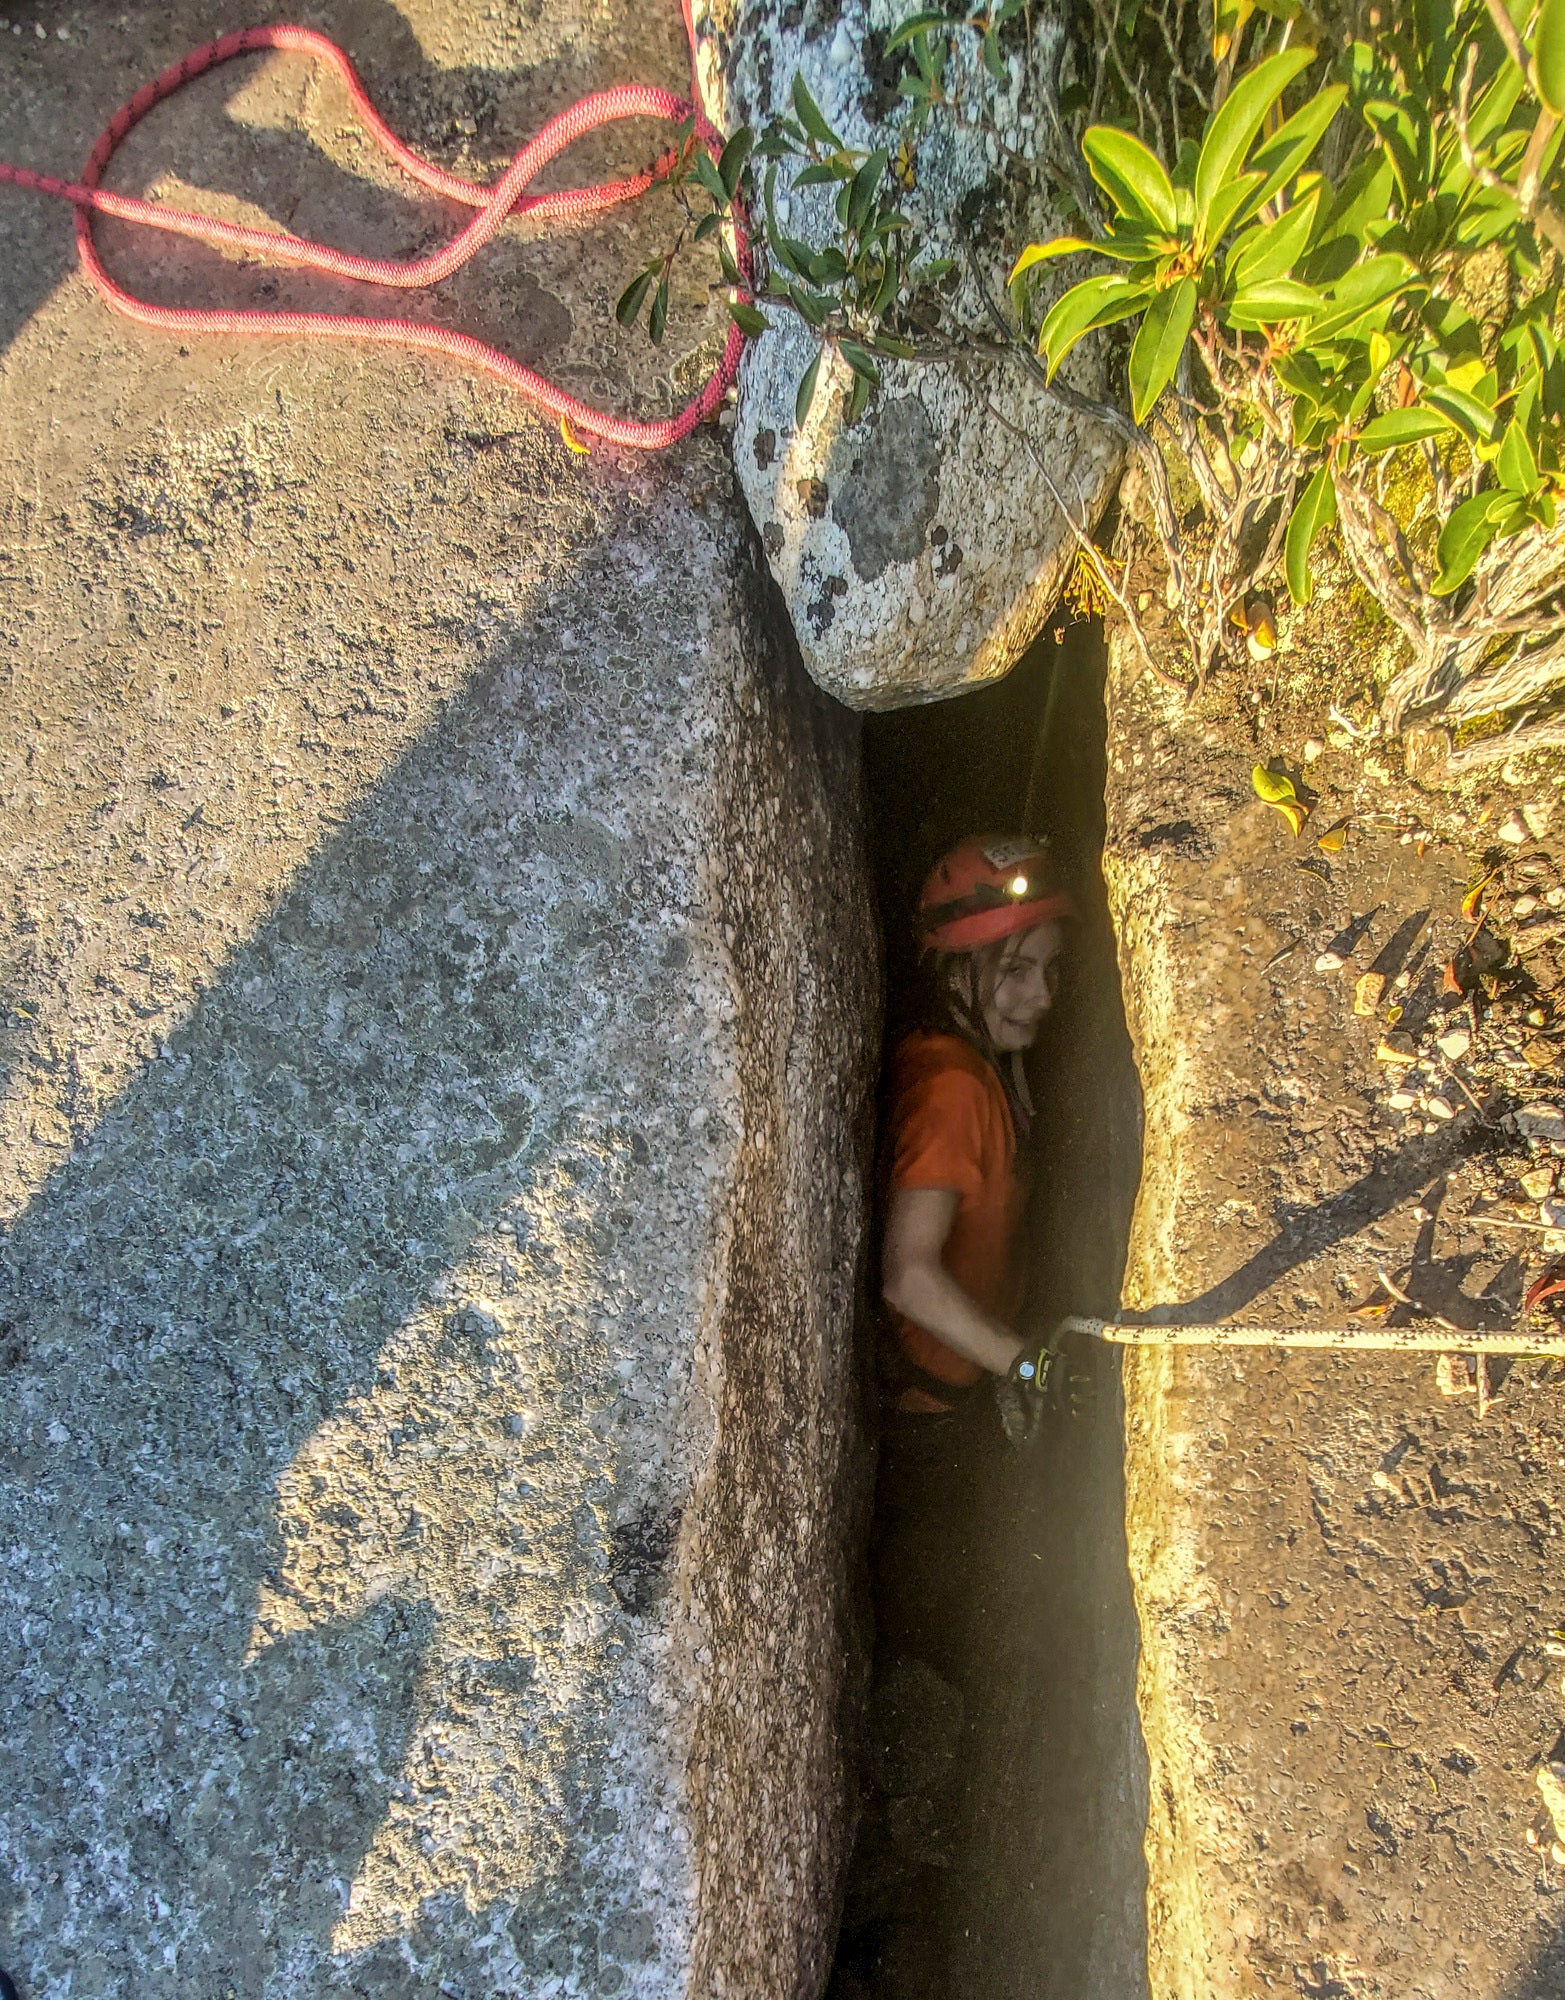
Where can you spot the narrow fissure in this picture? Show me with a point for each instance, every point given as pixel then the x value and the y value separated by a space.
pixel 1003 1777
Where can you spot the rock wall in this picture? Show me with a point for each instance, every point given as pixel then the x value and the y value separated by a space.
pixel 440 1015
pixel 898 541
pixel 1346 1581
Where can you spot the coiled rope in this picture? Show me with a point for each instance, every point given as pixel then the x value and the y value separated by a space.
pixel 507 196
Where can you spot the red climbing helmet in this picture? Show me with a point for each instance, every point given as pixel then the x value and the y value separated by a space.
pixel 990 886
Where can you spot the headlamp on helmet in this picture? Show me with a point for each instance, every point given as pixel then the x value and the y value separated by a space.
pixel 988 888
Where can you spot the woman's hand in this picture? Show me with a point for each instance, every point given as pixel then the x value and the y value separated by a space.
pixel 916 1283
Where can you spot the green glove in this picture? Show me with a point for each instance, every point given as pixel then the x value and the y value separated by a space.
pixel 1043 1372
pixel 1033 1368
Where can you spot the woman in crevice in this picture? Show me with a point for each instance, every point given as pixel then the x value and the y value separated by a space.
pixel 992 929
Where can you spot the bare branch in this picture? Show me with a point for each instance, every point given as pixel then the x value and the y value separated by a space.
pixel 1089 548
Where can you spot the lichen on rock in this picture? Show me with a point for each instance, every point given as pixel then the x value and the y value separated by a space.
pixel 939 552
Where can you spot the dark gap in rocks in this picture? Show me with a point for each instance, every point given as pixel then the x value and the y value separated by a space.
pixel 1003 1777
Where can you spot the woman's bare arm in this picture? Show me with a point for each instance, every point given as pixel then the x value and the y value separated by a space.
pixel 915 1282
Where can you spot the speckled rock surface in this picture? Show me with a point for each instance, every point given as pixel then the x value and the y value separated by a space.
pixel 1348 1583
pixel 919 550
pixel 439 1011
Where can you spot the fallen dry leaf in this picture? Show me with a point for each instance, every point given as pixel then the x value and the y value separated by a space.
pixel 1273 786
pixel 1474 896
pixel 1334 839
pixel 1367 992
pixel 1549 1286
pixel 1375 1308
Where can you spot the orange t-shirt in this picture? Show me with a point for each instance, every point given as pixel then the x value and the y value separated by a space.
pixel 949 1126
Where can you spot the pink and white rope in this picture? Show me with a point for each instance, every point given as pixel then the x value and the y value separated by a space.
pixel 507 196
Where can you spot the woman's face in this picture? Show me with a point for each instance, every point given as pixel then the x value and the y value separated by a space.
pixel 1021 988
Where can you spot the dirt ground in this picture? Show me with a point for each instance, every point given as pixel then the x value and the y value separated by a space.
pixel 1353 1615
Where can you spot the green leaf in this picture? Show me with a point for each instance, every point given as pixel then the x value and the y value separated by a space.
pixel 790 251
pixel 1230 200
pixel 1131 176
pixel 1231 130
pixel 858 400
pixel 994 62
pixel 708 225
pixel 1472 418
pixel 1316 509
pixel 1464 538
pixel 811 116
pixel 1393 125
pixel 1035 253
pixel 1516 466
pixel 1401 427
pixel 861 194
pixel 709 177
pixel 657 319
pixel 1159 342
pixel 860 360
pixel 628 309
pixel 1271 249
pixel 1095 302
pixel 1365 295
pixel 1548 55
pixel 1495 105
pixel 1271 303
pixel 806 395
pixel 731 164
pixel 915 24
pixel 1364 197
pixel 811 305
pixel 751 324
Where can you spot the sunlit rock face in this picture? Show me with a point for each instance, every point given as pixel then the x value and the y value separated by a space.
pixel 920 550
pixel 439 1008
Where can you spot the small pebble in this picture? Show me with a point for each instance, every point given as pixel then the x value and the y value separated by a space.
pixel 1538 1054
pixel 1313 748
pixel 1441 1108
pixel 1536 1017
pixel 1552 1214
pixel 1538 1182
pixel 1512 829
pixel 1401 1100
pixel 1524 906
pixel 1555 897
pixel 1330 961
pixel 1454 1043
pixel 1422 1214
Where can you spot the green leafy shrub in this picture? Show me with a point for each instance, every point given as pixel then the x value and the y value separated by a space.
pixel 1309 335
pixel 1339 275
